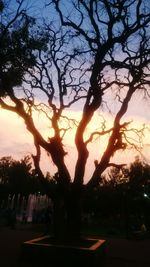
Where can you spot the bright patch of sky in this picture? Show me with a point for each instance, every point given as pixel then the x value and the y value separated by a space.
pixel 17 142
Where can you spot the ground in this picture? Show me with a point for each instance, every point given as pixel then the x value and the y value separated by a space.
pixel 119 252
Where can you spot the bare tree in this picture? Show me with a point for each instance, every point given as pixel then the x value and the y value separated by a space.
pixel 94 49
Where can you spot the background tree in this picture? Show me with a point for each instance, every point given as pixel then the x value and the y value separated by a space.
pixel 18 177
pixel 95 49
pixel 132 193
pixel 139 188
pixel 139 176
pixel 15 178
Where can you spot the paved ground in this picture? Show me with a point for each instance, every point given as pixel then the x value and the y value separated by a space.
pixel 119 252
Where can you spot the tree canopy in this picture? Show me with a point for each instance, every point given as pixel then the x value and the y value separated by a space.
pixel 88 51
pixel 18 177
pixel 16 45
pixel 102 50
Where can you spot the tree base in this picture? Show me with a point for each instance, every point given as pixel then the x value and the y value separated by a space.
pixel 87 251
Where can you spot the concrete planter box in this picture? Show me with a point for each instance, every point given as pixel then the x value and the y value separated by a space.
pixel 87 251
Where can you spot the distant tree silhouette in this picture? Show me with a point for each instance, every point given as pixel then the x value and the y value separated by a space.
pixel 139 175
pixel 17 177
pixel 91 50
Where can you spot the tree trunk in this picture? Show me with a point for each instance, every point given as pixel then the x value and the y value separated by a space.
pixel 59 219
pixel 74 214
pixel 67 216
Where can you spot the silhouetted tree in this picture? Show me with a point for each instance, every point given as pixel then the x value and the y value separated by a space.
pixel 139 176
pixel 16 176
pixel 19 177
pixel 136 191
pixel 95 49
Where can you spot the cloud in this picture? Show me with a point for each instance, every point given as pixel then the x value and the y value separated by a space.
pixel 15 139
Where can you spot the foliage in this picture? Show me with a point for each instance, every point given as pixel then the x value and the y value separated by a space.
pixel 122 202
pixel 16 47
pixel 139 174
pixel 18 177
pixel 133 179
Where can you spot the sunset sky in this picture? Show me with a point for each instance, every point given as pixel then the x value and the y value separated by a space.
pixel 16 141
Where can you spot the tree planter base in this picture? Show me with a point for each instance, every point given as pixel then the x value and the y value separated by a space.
pixel 87 251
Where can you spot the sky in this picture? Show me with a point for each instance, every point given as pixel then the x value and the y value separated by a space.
pixel 17 142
